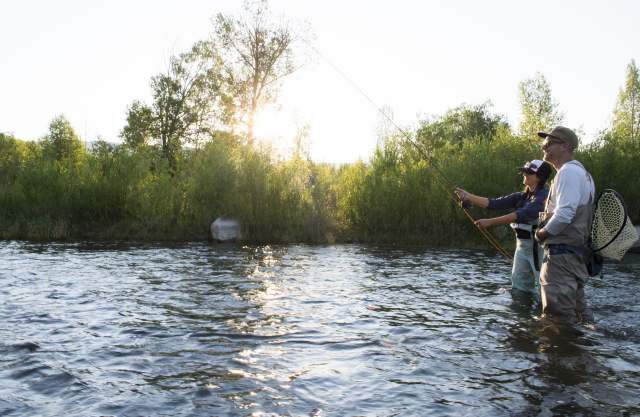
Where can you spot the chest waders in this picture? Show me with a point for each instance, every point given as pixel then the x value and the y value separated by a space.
pixel 527 231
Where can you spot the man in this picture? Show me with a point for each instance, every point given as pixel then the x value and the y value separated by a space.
pixel 565 230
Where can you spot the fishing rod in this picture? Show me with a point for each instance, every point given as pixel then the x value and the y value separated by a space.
pixel 448 186
pixel 449 190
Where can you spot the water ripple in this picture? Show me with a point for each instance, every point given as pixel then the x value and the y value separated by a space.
pixel 193 329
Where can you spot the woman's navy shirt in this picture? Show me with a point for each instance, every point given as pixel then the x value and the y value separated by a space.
pixel 527 209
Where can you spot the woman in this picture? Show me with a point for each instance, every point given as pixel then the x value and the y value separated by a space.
pixel 525 275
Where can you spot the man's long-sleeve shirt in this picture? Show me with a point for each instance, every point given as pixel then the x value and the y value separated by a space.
pixel 571 188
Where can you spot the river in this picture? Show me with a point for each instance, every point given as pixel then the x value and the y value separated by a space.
pixel 96 329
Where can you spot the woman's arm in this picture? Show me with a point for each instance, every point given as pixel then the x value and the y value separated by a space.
pixel 472 198
pixel 495 221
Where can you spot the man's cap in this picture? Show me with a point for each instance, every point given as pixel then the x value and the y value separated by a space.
pixel 562 133
pixel 540 168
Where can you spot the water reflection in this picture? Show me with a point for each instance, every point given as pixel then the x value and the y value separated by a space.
pixel 567 375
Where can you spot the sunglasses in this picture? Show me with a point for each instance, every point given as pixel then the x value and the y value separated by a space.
pixel 550 141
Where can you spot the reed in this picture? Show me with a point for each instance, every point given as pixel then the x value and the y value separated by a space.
pixel 397 196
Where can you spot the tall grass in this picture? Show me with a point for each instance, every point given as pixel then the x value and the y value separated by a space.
pixel 115 193
pixel 397 196
pixel 403 196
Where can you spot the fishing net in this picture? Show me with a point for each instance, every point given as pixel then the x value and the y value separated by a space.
pixel 612 232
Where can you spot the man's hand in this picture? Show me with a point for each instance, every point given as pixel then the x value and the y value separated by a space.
pixel 541 235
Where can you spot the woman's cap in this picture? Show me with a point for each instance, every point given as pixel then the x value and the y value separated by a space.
pixel 538 167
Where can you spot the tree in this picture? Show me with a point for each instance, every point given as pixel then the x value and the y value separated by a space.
pixel 139 128
pixel 186 104
pixel 626 115
pixel 460 124
pixel 62 142
pixel 12 154
pixel 219 84
pixel 257 55
pixel 539 109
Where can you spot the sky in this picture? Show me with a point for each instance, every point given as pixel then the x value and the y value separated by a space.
pixel 90 59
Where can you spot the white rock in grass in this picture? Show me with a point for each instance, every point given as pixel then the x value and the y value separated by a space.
pixel 224 229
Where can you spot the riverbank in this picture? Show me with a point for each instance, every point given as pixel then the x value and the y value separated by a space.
pixel 60 232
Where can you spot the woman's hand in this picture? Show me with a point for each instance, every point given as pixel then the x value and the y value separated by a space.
pixel 484 223
pixel 467 199
pixel 462 194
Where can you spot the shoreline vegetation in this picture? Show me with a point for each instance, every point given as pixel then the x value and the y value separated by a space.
pixel 190 156
pixel 114 193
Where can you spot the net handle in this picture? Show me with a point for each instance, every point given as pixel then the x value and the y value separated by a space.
pixel 624 208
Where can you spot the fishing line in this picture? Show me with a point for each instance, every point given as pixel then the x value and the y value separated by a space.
pixel 448 185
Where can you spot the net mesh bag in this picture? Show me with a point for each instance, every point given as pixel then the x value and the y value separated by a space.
pixel 612 232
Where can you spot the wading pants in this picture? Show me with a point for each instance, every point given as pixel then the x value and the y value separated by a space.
pixel 562 279
pixel 525 274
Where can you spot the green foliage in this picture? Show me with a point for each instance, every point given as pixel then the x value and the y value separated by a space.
pixel 614 157
pixel 539 109
pixel 62 143
pixel 12 155
pixel 460 124
pixel 186 105
pixel 402 193
pixel 626 115
pixel 181 165
pixel 140 125
pixel 115 192
pixel 613 164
